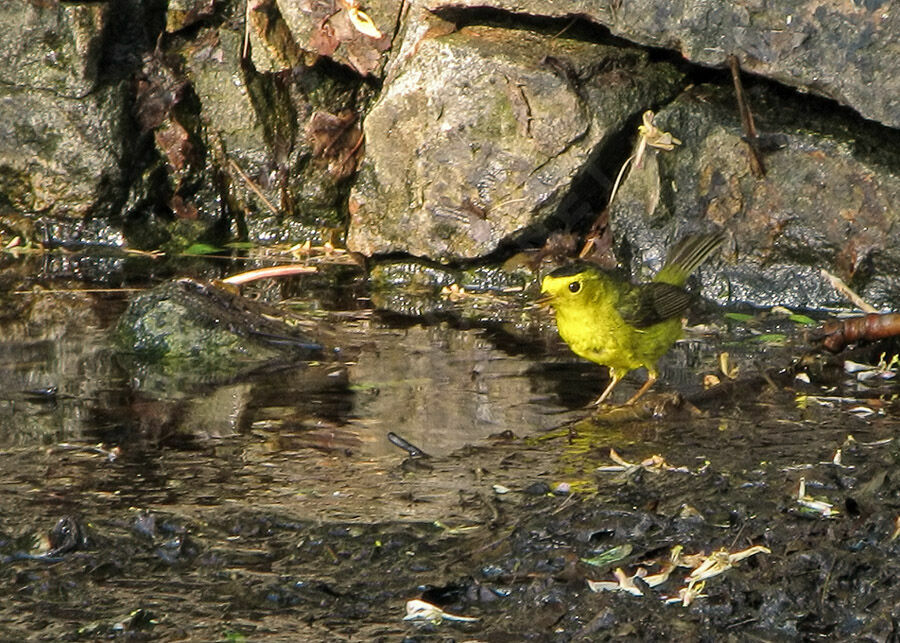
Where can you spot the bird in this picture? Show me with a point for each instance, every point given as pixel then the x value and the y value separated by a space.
pixel 608 320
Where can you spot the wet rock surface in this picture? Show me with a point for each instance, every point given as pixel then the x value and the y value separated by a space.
pixel 65 144
pixel 62 155
pixel 236 147
pixel 481 133
pixel 452 131
pixel 199 331
pixel 52 46
pixel 825 202
pixel 328 30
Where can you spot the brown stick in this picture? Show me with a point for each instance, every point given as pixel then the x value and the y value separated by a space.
pixel 750 135
pixel 253 186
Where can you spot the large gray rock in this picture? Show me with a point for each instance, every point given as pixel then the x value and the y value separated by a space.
pixel 479 134
pixel 51 45
pixel 62 132
pixel 61 156
pixel 827 201
pixel 847 51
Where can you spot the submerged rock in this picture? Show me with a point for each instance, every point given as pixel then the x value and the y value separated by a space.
pixel 414 288
pixel 478 135
pixel 826 202
pixel 191 326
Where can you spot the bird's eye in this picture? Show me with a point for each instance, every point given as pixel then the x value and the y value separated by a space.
pixel 575 286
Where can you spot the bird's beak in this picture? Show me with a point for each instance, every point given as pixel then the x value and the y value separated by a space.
pixel 544 300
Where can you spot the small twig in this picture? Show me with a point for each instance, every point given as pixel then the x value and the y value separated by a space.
pixel 750 135
pixel 565 29
pixel 649 136
pixel 615 188
pixel 75 291
pixel 353 151
pixel 411 449
pixel 253 186
pixel 839 285
pixel 245 50
pixel 589 243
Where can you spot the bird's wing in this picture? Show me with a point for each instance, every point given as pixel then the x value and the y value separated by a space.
pixel 651 303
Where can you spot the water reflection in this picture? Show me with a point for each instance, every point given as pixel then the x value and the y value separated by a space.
pixel 439 386
pixel 438 383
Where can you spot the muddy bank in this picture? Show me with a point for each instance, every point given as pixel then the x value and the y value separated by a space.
pixel 240 537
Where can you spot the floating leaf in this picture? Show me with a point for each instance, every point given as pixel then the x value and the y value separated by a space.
pixel 741 317
pixel 770 338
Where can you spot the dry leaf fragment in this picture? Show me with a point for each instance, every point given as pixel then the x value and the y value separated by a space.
pixel 364 24
pixel 655 463
pixel 361 20
pixel 625 583
pixel 421 610
pixel 652 136
pixel 704 567
pixel 896 531
pixel 826 509
pixel 729 369
pixel 721 561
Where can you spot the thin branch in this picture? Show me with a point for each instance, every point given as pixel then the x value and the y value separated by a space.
pixel 845 290
pixel 253 186
pixel 750 135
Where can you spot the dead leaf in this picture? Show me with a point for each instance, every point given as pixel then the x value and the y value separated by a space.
pixel 173 141
pixel 324 41
pixel 327 131
pixel 338 138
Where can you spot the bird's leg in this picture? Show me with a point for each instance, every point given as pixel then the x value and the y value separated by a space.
pixel 651 378
pixel 615 379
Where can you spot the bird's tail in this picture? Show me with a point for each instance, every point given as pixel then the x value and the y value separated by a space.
pixel 686 256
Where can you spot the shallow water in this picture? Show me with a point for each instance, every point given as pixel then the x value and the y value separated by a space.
pixel 275 507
